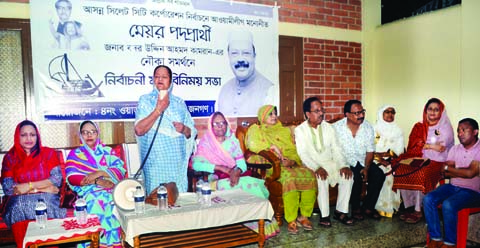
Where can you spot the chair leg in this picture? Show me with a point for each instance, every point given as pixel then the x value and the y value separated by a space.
pixel 462 227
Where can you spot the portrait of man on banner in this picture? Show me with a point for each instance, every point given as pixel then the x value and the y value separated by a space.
pixel 248 90
pixel 66 31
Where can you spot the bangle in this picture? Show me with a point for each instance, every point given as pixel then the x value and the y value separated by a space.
pixel 158 111
pixel 30 185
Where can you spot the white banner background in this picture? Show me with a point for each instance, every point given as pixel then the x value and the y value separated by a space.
pixel 124 40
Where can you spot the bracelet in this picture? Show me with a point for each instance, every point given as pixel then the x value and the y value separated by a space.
pixel 30 185
pixel 96 180
pixel 158 111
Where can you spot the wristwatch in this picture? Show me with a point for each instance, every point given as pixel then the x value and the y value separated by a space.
pixel 446 167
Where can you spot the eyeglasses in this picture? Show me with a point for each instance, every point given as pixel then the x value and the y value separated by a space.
pixel 86 132
pixel 389 112
pixel 433 110
pixel 359 112
pixel 322 110
pixel 220 124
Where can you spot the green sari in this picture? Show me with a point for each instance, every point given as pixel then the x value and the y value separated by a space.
pixel 295 180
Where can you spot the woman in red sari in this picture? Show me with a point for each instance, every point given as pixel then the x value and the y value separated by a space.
pixel 429 139
pixel 29 172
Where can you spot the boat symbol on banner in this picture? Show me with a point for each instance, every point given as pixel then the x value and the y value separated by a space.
pixel 64 72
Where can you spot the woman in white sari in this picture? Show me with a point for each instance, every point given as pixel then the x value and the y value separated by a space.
pixel 389 138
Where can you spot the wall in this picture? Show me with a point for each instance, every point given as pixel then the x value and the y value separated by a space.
pixel 332 41
pixel 431 55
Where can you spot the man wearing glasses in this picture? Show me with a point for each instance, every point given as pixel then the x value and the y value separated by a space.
pixel 357 139
pixel 319 150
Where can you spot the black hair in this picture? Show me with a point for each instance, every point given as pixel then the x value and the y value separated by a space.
pixel 348 106
pixel 85 122
pixel 307 104
pixel 169 71
pixel 433 100
pixel 36 148
pixel 473 123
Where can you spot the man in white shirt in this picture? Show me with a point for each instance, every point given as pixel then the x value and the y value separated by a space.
pixel 319 150
pixel 357 139
pixel 249 90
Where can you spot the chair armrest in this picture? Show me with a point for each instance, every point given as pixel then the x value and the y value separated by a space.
pixel 276 165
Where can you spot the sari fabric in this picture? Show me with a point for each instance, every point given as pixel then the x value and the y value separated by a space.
pixel 168 159
pixel 425 179
pixel 17 168
pixel 211 152
pixel 389 136
pixel 83 161
pixel 261 137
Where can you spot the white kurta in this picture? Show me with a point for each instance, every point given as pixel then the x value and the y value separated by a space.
pixel 323 150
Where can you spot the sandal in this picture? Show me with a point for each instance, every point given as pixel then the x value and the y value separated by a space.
pixel 373 214
pixel 325 222
pixel 357 215
pixel 292 228
pixel 305 223
pixel 414 218
pixel 343 218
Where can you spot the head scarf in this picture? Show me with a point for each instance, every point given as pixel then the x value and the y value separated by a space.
pixel 212 150
pixel 443 118
pixel 442 131
pixel 261 137
pixel 32 167
pixel 390 134
pixel 85 160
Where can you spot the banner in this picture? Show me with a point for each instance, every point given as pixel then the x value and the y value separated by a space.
pixel 94 59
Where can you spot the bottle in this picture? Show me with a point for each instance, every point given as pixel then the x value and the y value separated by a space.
pixel 198 187
pixel 41 213
pixel 206 194
pixel 162 196
pixel 81 210
pixel 139 198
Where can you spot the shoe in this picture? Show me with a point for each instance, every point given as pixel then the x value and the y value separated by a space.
pixel 343 218
pixel 435 244
pixel 305 223
pixel 448 246
pixel 325 222
pixel 357 215
pixel 372 214
pixel 292 228
pixel 414 218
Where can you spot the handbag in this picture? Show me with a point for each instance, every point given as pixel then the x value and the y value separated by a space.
pixel 416 162
pixel 172 192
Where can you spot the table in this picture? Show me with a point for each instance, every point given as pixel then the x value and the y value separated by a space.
pixel 190 222
pixel 54 233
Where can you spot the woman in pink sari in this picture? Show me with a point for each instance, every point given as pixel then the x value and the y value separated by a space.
pixel 219 152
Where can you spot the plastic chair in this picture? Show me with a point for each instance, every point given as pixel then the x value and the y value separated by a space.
pixel 462 225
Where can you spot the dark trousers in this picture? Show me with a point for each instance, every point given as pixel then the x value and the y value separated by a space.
pixel 376 177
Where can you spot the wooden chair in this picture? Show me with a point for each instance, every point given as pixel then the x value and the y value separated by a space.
pixel 271 182
pixel 259 170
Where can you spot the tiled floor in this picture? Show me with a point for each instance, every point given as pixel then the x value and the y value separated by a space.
pixel 387 232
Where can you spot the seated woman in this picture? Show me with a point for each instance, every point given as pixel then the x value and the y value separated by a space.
pixel 219 152
pixel 299 182
pixel 389 143
pixel 92 171
pixel 429 139
pixel 30 172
